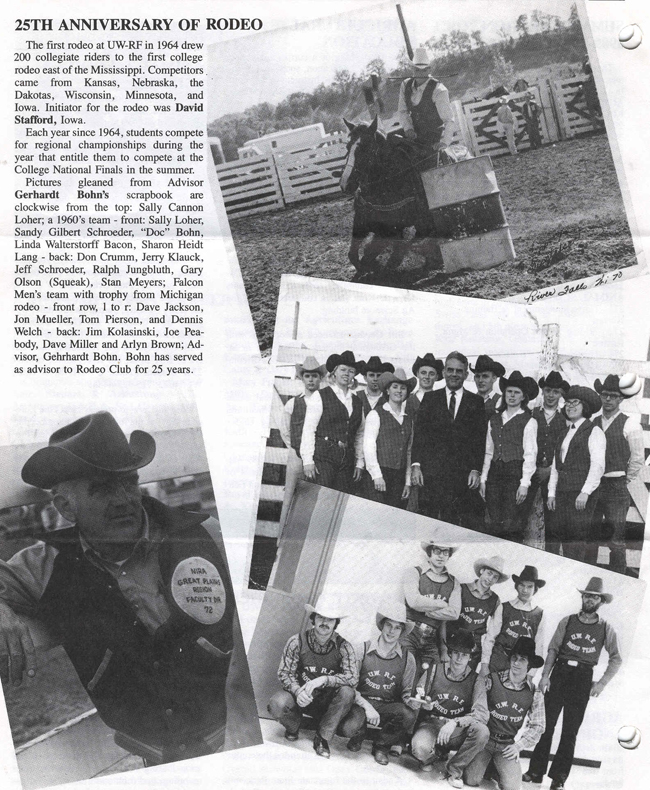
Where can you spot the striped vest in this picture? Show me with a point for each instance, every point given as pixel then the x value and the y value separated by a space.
pixel 573 471
pixel 548 434
pixel 393 439
pixel 617 454
pixel 509 438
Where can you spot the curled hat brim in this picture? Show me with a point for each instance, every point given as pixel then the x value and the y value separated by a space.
pixel 408 625
pixel 482 562
pixel 53 464
pixel 321 370
pixel 330 614
pixel 425 544
pixel 607 597
pixel 539 583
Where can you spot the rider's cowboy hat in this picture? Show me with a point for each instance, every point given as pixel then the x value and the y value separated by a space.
pixel 394 610
pixel 399 377
pixel 310 365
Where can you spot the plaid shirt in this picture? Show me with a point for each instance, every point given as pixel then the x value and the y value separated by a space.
pixel 288 669
pixel 536 724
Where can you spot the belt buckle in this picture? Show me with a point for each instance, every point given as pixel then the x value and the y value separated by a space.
pixel 572 663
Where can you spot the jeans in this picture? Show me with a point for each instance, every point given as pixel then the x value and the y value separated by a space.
pixel 572 528
pixel 328 708
pixel 467 742
pixel 501 500
pixel 395 720
pixel 394 479
pixel 509 770
pixel 613 505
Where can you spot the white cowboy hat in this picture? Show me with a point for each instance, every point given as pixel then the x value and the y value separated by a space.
pixel 326 606
pixel 441 543
pixel 494 563
pixel 394 610
pixel 420 58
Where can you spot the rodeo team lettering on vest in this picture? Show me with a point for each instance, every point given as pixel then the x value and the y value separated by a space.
pixel 515 623
pixel 439 591
pixel 508 709
pixel 380 678
pixel 474 614
pixel 313 665
pixel 583 642
pixel 450 699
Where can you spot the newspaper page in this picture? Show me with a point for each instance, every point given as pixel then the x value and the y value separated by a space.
pixel 189 236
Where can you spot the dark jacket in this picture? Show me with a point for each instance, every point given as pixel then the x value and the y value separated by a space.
pixel 448 450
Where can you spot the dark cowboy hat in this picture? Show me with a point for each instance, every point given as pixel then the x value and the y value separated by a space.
pixel 525 646
pixel 399 376
pixel 310 365
pixel 461 640
pixel 374 365
pixel 526 384
pixel 91 445
pixel 627 386
pixel 529 574
pixel 586 395
pixel 595 587
pixel 346 358
pixel 428 360
pixel 555 381
pixel 485 364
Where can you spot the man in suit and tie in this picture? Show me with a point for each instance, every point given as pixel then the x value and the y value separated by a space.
pixel 448 447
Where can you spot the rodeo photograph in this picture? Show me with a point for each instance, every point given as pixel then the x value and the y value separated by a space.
pixel 420 145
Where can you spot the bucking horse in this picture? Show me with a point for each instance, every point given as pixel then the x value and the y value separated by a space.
pixel 390 206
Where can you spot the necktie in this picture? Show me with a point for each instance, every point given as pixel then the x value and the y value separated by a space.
pixel 452 405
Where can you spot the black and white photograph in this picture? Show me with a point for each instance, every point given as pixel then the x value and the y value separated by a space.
pixel 425 146
pixel 121 643
pixel 431 652
pixel 464 411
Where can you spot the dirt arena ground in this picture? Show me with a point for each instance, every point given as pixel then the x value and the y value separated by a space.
pixel 563 204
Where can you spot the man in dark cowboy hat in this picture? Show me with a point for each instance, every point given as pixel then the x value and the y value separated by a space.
pixel 138 594
pixel 550 424
pixel 425 112
pixel 427 370
pixel 624 459
pixel 516 717
pixel 567 680
pixel 516 618
pixel 332 435
pixel 486 374
pixel 448 447
pixel 371 371
pixel 578 465
pixel 318 672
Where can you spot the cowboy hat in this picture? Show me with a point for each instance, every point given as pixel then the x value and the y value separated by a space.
pixel 399 377
pixel 554 381
pixel 440 543
pixel 627 386
pixel 526 384
pixel 428 360
pixel 394 610
pixel 595 587
pixel 586 395
pixel 529 574
pixel 485 364
pixel 310 365
pixel 374 365
pixel 346 358
pixel 494 563
pixel 525 646
pixel 420 58
pixel 327 606
pixel 461 641
pixel 89 446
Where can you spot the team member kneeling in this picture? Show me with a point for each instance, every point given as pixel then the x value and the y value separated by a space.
pixel 511 698
pixel 454 717
pixel 386 680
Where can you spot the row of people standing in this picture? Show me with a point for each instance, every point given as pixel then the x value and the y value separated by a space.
pixel 452 454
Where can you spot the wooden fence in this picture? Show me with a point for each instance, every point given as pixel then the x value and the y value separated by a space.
pixel 269 183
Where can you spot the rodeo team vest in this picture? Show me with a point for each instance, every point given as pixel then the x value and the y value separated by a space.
pixel 393 439
pixel 450 698
pixel 509 438
pixel 441 591
pixel 365 403
pixel 336 425
pixel 507 708
pixel 474 614
pixel 491 405
pixel 380 679
pixel 516 623
pixel 548 434
pixel 314 665
pixel 582 642
pixel 617 454
pixel 573 471
pixel 297 421
pixel 427 123
pixel 162 689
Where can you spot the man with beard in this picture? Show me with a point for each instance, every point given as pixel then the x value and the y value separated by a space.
pixel 332 435
pixel 372 371
pixel 454 715
pixel 516 718
pixel 448 447
pixel 386 680
pixel 432 596
pixel 318 672
pixel 118 589
pixel 516 618
pixel 486 374
pixel 480 605
pixel 567 680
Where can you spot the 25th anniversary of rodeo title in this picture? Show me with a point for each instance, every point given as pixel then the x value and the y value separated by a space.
pixel 170 164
